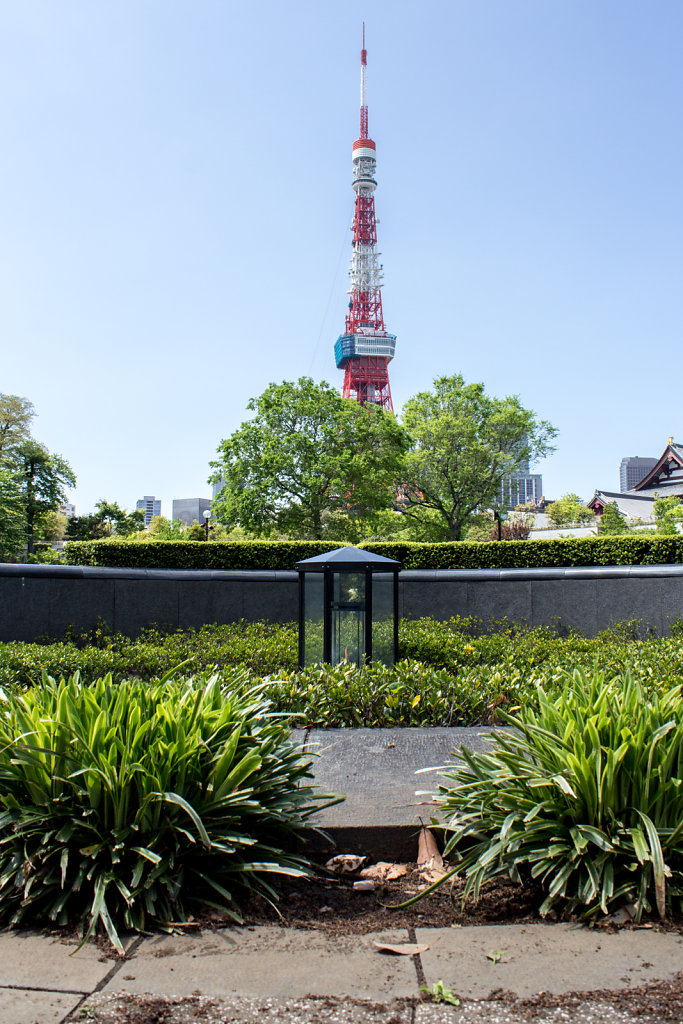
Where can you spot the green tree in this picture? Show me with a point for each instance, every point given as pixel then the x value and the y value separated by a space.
pixel 569 510
pixel 161 528
pixel 463 442
pixel 16 416
pixel 611 522
pixel 668 513
pixel 306 453
pixel 117 520
pixel 12 520
pixel 86 527
pixel 108 520
pixel 43 478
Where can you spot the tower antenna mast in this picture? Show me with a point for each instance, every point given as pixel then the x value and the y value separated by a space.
pixel 365 349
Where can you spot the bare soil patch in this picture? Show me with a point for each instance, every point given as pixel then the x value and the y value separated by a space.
pixel 333 906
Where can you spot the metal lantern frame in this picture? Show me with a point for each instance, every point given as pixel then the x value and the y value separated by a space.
pixel 346 560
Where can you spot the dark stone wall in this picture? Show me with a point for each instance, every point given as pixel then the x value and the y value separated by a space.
pixel 40 601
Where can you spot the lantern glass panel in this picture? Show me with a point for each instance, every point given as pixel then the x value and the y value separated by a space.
pixel 313 618
pixel 348 617
pixel 383 617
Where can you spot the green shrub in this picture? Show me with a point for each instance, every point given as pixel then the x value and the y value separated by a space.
pixel 261 646
pixel 408 694
pixel 123 805
pixel 634 549
pixel 585 797
pixel 450 673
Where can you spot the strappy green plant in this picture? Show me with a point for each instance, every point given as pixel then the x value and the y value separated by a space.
pixel 124 805
pixel 584 796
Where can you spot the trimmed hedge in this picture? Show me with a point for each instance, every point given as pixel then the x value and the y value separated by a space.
pixel 631 550
pixel 193 554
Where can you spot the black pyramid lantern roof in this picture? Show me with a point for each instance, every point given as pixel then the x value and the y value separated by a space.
pixel 348 560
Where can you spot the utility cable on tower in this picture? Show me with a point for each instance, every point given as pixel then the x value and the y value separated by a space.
pixel 365 349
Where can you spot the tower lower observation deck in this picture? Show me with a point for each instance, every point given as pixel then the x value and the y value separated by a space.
pixel 351 346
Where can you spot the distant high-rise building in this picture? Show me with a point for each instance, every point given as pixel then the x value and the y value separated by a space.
pixel 151 506
pixel 520 489
pixel 67 509
pixel 632 470
pixel 191 510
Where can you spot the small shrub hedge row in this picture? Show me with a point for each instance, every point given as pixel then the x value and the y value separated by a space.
pixel 250 555
pixel 449 673
pixel 268 648
pixel 188 554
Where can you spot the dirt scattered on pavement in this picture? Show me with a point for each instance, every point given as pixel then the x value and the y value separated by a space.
pixel 654 1003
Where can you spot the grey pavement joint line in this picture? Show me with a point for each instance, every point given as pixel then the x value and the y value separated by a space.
pixel 419 969
pixel 118 964
pixel 42 988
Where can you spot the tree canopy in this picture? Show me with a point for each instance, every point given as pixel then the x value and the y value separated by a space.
pixel 612 522
pixel 462 442
pixel 569 510
pixel 42 479
pixel 32 480
pixel 668 513
pixel 108 519
pixel 16 416
pixel 306 454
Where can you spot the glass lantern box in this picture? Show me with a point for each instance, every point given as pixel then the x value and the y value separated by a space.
pixel 348 608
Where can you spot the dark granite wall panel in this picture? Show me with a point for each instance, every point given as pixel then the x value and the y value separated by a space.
pixel 79 604
pixel 139 603
pixel 508 600
pixel 213 601
pixel 621 600
pixel 24 608
pixel 43 603
pixel 440 600
pixel 572 602
pixel 672 601
pixel 275 600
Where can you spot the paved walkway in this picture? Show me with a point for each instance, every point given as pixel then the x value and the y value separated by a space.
pixel 260 972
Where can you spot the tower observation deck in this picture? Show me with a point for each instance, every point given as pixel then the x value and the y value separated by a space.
pixel 365 349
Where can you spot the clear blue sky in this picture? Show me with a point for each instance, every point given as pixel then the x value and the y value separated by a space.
pixel 176 198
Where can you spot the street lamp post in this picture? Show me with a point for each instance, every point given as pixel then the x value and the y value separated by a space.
pixel 207 516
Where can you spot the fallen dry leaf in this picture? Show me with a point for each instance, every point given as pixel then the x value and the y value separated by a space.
pixel 427 850
pixel 366 885
pixel 384 871
pixel 345 863
pixel 402 949
pixel 430 873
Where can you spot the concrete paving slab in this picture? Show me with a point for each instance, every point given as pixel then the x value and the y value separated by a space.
pixel 25 1006
pixel 546 958
pixel 112 1009
pixel 375 769
pixel 281 962
pixel 30 960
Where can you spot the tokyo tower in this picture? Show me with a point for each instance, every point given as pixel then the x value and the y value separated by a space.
pixel 365 349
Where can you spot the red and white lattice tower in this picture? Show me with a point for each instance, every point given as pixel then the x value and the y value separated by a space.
pixel 365 349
